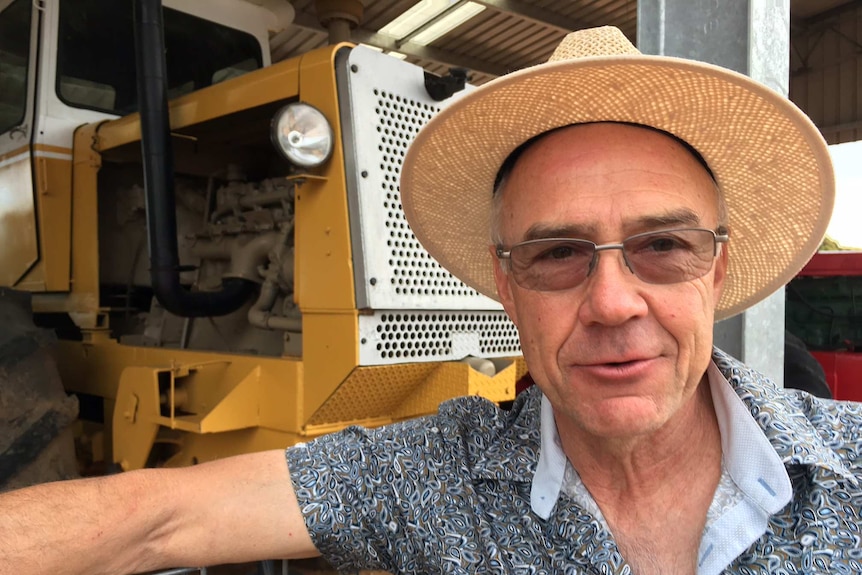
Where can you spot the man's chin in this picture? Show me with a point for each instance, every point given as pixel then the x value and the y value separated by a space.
pixel 620 418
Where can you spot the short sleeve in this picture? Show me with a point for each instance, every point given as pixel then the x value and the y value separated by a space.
pixel 366 494
pixel 431 495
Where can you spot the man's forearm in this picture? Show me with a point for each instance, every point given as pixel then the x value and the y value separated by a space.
pixel 104 525
pixel 233 510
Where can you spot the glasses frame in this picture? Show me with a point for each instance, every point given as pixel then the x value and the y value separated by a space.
pixel 719 236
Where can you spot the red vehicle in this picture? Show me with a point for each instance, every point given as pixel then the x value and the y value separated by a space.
pixel 824 311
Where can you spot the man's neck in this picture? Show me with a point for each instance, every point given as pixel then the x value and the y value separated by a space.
pixel 654 491
pixel 644 465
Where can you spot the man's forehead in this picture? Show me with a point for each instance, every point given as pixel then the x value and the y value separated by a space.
pixel 580 139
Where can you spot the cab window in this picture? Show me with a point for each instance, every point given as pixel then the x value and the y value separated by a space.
pixel 96 54
pixel 14 62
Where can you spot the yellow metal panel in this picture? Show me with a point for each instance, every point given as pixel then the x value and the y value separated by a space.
pixel 500 387
pixel 53 170
pixel 225 392
pixel 271 84
pixel 34 279
pixel 520 367
pixel 454 379
pixel 222 391
pixel 282 390
pixel 81 260
pixel 238 409
pixel 142 407
pixel 373 392
pixel 54 185
pixel 394 392
pixel 324 264
pixel 330 353
pixel 97 367
pixel 134 423
pixel 19 249
pixel 216 401
pixel 199 448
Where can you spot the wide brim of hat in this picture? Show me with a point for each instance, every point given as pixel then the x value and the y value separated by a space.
pixel 769 159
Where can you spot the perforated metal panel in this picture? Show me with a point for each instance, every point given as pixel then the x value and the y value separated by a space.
pixel 419 311
pixel 385 105
pixel 399 336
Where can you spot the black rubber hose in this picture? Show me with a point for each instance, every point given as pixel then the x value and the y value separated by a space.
pixel 157 152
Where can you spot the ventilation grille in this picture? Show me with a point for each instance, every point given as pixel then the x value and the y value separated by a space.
pixel 416 310
pixel 414 271
pixel 396 337
pixel 388 107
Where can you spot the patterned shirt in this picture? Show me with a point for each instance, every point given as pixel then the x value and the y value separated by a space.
pixel 451 493
pixel 753 486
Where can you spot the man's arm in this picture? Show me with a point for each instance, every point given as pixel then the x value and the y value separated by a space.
pixel 237 509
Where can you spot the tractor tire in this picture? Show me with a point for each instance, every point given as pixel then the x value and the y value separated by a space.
pixel 36 440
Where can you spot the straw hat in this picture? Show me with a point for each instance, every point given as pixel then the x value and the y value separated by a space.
pixel 767 156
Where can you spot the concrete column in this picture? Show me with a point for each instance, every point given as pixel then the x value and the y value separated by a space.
pixel 751 37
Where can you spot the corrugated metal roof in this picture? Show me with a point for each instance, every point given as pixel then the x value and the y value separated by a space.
pixel 507 35
pixel 512 34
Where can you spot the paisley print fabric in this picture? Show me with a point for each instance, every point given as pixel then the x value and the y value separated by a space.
pixel 450 493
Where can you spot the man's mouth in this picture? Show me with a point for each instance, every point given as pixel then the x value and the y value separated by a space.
pixel 616 368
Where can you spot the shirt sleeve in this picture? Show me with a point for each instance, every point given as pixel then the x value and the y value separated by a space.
pixel 368 495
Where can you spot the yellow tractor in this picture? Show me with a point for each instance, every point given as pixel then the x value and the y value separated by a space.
pixel 216 241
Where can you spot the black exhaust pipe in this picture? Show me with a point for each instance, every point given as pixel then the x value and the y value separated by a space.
pixel 157 152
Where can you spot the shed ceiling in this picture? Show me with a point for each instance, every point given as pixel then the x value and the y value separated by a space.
pixel 512 34
pixel 507 35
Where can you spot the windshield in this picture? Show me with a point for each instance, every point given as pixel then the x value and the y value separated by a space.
pixel 96 54
pixel 14 60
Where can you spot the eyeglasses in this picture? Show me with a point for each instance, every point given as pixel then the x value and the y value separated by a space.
pixel 660 257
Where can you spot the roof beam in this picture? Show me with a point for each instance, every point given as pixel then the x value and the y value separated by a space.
pixel 846 126
pixel 384 42
pixel 836 12
pixel 535 14
pixel 445 57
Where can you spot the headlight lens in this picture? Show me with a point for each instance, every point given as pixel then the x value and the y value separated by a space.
pixel 302 134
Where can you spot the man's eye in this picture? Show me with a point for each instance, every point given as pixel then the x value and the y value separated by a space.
pixel 558 253
pixel 664 244
pixel 561 252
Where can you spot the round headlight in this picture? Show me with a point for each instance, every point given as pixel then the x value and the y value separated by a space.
pixel 302 134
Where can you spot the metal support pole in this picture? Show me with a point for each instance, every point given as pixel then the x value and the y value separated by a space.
pixel 751 37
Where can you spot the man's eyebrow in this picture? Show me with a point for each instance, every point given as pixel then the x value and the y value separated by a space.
pixel 680 217
pixel 540 231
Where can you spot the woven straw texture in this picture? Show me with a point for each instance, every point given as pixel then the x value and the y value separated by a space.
pixel 769 159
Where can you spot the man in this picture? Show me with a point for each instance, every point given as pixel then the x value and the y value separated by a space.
pixel 634 200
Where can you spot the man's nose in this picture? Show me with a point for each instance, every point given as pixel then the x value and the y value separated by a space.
pixel 612 293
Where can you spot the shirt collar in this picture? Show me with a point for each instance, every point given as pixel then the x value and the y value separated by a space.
pixel 749 457
pixel 756 448
pixel 784 418
pixel 741 440
pixel 522 452
pixel 551 468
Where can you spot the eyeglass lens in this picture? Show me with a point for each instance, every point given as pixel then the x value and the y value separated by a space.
pixel 661 257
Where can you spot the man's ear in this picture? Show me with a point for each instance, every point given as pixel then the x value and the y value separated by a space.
pixel 504 291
